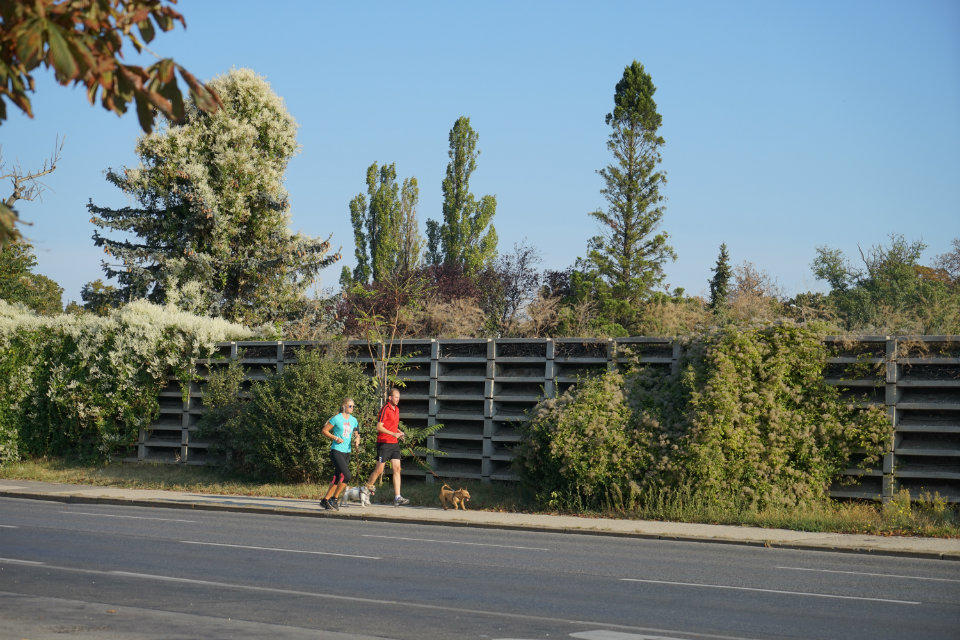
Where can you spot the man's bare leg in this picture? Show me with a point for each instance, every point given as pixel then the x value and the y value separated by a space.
pixel 395 468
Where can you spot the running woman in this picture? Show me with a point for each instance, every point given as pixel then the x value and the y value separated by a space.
pixel 388 432
pixel 340 429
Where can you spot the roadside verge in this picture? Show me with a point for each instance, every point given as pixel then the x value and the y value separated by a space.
pixel 938 548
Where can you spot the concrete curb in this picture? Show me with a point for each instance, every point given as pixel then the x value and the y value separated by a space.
pixel 372 517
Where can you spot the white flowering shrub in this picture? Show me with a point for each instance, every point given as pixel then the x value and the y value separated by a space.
pixel 83 385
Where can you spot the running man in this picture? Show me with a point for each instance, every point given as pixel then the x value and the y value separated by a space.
pixel 388 448
pixel 340 429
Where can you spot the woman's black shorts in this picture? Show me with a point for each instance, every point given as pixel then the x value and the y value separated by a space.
pixel 341 466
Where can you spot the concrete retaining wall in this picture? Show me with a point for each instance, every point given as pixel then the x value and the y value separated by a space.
pixel 480 389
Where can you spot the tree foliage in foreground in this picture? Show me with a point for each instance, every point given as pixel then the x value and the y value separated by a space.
pixel 82 41
pixel 213 214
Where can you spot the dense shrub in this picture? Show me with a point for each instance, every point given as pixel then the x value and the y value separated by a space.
pixel 578 450
pixel 275 434
pixel 748 417
pixel 83 385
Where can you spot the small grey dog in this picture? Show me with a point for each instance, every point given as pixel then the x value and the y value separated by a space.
pixel 358 494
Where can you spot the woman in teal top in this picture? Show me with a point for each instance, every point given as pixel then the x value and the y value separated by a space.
pixel 341 429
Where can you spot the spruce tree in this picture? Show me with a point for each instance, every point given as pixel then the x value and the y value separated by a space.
pixel 628 255
pixel 720 283
pixel 467 238
pixel 212 211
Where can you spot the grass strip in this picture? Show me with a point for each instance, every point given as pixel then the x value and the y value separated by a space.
pixel 900 516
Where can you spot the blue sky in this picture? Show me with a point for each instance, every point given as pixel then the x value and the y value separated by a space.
pixel 788 125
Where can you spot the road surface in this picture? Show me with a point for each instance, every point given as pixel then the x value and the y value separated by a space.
pixel 102 571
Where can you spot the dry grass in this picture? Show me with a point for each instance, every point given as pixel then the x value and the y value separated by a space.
pixel 899 517
pixel 459 318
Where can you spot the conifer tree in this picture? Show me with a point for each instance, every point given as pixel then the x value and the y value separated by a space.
pixel 467 238
pixel 628 255
pixel 720 283
pixel 212 211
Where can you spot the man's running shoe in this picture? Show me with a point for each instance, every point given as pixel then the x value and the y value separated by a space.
pixel 400 501
pixel 325 504
pixel 334 504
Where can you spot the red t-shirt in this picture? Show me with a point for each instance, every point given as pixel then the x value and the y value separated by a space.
pixel 390 417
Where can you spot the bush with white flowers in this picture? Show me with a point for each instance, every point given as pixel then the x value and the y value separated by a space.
pixel 83 385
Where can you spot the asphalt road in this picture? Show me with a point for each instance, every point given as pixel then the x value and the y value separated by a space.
pixel 99 571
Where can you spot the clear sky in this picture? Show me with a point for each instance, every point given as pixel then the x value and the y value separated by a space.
pixel 788 125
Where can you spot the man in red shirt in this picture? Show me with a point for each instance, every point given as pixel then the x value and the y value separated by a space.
pixel 388 447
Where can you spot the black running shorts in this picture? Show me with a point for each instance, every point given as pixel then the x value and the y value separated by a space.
pixel 341 466
pixel 388 451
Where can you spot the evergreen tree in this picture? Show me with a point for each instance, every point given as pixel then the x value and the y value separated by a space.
pixel 627 257
pixel 99 297
pixel 720 283
pixel 466 239
pixel 213 211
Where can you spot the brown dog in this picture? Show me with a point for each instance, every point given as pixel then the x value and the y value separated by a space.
pixel 457 498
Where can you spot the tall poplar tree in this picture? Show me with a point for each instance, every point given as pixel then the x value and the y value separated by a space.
pixel 212 210
pixel 720 282
pixel 411 242
pixel 376 224
pixel 629 253
pixel 385 230
pixel 467 238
